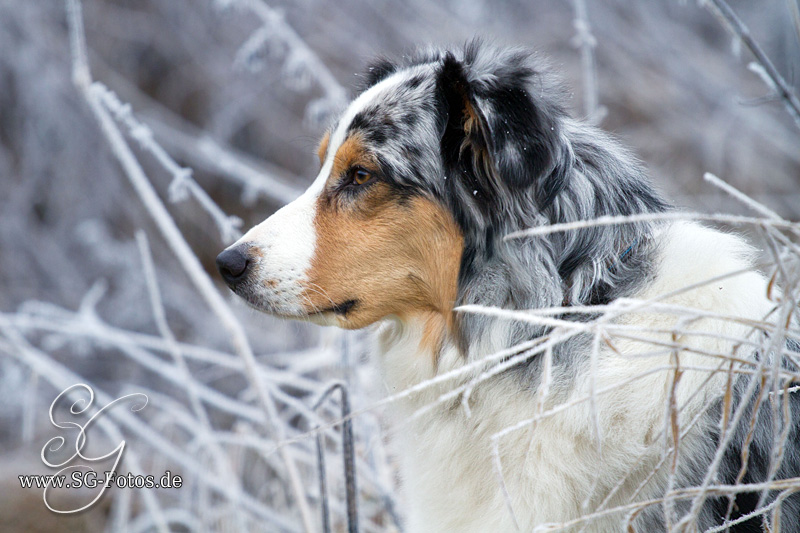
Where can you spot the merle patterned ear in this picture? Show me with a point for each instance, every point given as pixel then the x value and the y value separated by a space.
pixel 496 123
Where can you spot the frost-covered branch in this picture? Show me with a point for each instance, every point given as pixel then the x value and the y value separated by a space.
pixel 651 217
pixel 766 68
pixel 301 63
pixel 256 178
pixel 62 377
pixel 180 248
pixel 182 183
pixel 586 43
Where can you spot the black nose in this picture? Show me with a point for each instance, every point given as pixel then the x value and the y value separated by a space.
pixel 232 264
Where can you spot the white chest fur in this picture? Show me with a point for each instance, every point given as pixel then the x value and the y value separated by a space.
pixel 559 468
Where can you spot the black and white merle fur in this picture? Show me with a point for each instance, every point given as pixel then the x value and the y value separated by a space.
pixel 483 132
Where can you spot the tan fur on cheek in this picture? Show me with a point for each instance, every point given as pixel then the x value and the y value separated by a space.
pixel 391 259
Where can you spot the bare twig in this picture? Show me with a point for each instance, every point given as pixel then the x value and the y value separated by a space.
pixel 739 195
pixel 586 43
pixel 348 453
pixel 731 20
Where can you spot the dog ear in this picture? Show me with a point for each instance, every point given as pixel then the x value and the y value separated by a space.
pixel 465 134
pixel 496 126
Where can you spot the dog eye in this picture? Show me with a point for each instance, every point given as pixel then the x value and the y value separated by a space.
pixel 360 176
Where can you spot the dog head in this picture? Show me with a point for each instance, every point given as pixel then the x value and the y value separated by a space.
pixel 420 176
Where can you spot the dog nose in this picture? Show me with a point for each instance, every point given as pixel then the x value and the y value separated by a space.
pixel 233 264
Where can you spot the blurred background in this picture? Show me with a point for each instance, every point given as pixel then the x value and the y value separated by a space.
pixel 230 97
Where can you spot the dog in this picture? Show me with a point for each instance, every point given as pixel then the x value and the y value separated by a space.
pixel 538 418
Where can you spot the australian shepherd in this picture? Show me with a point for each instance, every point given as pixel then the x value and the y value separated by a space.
pixel 633 392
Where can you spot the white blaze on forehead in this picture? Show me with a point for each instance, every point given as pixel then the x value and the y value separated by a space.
pixel 301 211
pixel 364 99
